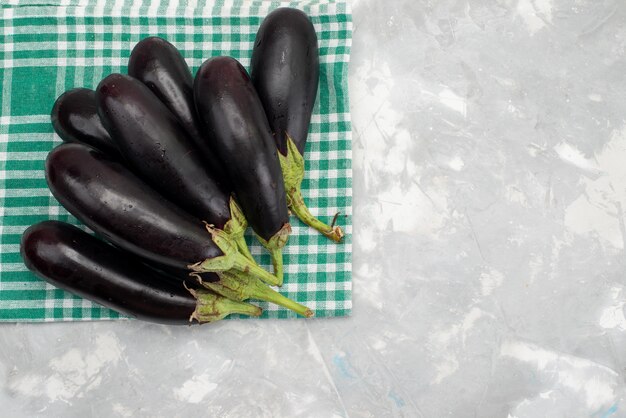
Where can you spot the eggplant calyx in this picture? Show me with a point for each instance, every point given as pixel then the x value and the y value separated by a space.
pixel 292 166
pixel 232 260
pixel 274 246
pixel 237 287
pixel 228 287
pixel 223 262
pixel 236 227
pixel 211 307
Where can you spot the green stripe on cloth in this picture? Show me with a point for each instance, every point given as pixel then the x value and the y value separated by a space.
pixel 45 50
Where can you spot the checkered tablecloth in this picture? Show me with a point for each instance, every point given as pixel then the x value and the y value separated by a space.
pixel 45 50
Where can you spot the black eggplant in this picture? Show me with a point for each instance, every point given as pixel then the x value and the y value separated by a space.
pixel 109 199
pixel 285 73
pixel 160 66
pixel 75 261
pixel 236 126
pixel 114 203
pixel 158 149
pixel 75 118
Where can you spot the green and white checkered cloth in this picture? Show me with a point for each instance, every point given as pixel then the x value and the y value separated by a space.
pixel 46 50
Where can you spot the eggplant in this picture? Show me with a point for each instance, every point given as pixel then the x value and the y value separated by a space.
pixel 114 203
pixel 75 119
pixel 285 73
pixel 160 66
pixel 158 149
pixel 73 260
pixel 236 126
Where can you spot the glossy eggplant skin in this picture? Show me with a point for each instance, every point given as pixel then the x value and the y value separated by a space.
pixel 285 73
pixel 75 261
pixel 235 123
pixel 160 66
pixel 109 199
pixel 158 149
pixel 176 275
pixel 75 119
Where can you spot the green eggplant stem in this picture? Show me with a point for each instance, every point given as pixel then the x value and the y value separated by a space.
pixel 211 307
pixel 298 207
pixel 243 248
pixel 231 259
pixel 292 166
pixel 239 288
pixel 274 247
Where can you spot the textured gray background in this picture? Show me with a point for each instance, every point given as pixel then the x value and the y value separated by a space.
pixel 489 185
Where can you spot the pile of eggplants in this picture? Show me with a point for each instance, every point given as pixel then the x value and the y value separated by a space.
pixel 169 171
